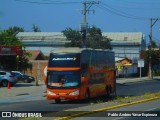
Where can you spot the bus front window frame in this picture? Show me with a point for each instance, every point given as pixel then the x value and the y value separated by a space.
pixel 63 79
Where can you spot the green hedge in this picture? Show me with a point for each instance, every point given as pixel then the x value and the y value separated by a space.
pixel 156 72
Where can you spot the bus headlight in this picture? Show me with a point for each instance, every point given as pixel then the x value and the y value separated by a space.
pixel 74 93
pixel 50 93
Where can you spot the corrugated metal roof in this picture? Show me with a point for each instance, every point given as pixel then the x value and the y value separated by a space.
pixel 124 36
pixel 117 37
pixel 41 36
pixel 20 34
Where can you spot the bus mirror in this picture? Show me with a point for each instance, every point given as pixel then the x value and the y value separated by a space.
pixel 83 80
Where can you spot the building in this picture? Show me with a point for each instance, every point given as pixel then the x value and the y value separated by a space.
pixel 123 66
pixel 38 63
pixel 125 44
pixel 35 55
pixel 43 41
pixel 9 57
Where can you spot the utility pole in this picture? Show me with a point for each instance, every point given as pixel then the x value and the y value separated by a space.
pixel 152 23
pixel 84 24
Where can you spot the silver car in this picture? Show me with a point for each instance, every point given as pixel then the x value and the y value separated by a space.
pixel 6 77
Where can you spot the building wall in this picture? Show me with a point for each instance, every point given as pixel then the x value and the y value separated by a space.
pixel 130 52
pixel 38 67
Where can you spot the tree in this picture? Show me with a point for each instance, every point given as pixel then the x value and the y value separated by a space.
pixel 8 37
pixel 24 63
pixel 15 29
pixel 94 38
pixel 153 55
pixel 153 44
pixel 35 28
pixel 74 36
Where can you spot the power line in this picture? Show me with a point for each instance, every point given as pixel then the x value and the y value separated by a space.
pixel 141 2
pixel 112 10
pixel 133 16
pixel 156 39
pixel 136 7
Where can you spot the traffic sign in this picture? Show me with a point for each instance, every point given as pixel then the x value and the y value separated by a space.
pixel 141 63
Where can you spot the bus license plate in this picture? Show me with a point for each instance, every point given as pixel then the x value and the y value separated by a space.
pixel 62 98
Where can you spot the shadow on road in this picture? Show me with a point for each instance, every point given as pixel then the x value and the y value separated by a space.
pixel 90 101
pixel 157 79
pixel 24 84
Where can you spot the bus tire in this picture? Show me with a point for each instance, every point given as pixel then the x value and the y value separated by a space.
pixel 58 101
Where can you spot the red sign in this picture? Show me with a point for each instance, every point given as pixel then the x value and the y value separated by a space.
pixel 10 50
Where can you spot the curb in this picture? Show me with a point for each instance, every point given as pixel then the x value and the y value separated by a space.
pixel 104 109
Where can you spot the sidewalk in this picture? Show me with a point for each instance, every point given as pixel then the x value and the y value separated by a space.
pixel 133 80
pixel 22 92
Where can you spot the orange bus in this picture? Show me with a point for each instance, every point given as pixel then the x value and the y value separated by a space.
pixel 75 74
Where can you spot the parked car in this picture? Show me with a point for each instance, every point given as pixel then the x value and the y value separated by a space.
pixel 23 77
pixel 6 77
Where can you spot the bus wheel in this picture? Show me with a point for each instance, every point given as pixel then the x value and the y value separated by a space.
pixel 58 101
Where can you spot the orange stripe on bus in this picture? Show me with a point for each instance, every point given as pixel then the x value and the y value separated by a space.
pixel 57 68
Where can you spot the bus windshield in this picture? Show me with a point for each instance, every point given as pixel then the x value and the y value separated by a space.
pixel 63 79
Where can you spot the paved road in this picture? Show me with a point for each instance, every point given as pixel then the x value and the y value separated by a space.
pixel 44 105
pixel 31 98
pixel 134 88
pixel 29 92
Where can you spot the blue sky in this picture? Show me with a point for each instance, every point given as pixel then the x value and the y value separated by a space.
pixel 109 16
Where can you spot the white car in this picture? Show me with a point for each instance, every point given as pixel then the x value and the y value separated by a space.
pixel 6 77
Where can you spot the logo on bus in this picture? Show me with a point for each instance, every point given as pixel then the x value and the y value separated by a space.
pixel 64 59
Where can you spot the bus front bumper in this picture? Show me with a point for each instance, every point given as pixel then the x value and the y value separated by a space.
pixel 63 96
